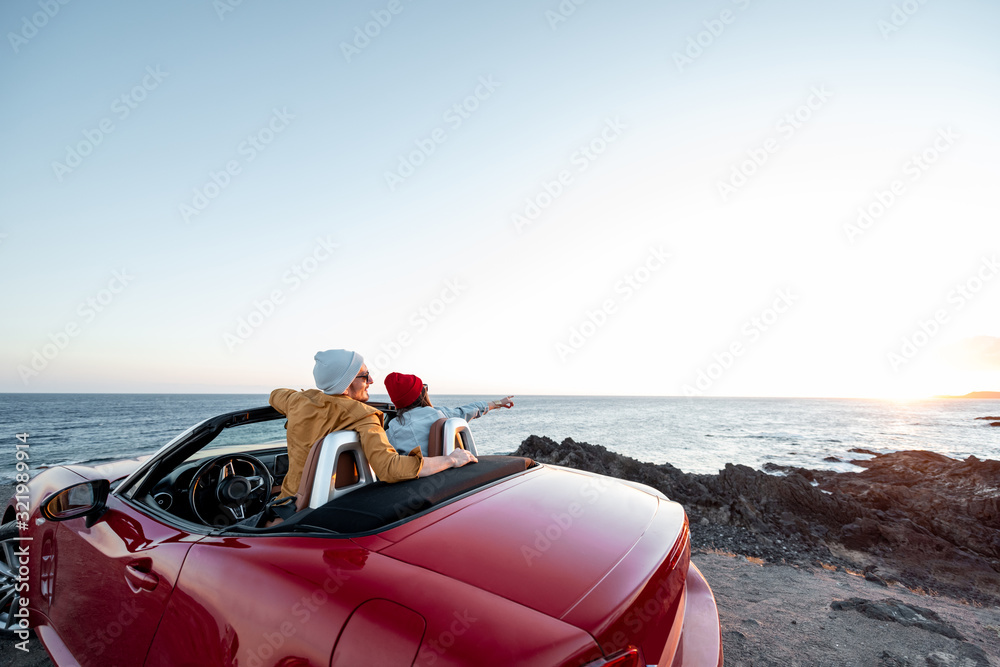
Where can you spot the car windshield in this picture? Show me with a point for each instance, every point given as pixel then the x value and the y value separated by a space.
pixel 269 434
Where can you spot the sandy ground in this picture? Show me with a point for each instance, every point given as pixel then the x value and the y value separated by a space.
pixel 781 615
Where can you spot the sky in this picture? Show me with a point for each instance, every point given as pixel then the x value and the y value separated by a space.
pixel 726 198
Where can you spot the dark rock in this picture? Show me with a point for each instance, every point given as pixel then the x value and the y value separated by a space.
pixel 944 504
pixel 994 423
pixel 892 660
pixel 969 651
pixel 859 450
pixel 931 520
pixel 941 659
pixel 969 655
pixel 832 459
pixel 896 611
pixel 871 576
pixel 787 470
pixel 989 418
pixel 861 534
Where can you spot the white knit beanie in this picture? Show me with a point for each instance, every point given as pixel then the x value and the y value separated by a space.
pixel 335 370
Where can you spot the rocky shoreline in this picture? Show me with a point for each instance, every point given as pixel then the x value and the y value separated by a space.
pixel 915 517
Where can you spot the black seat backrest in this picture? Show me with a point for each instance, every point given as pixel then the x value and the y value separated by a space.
pixel 379 504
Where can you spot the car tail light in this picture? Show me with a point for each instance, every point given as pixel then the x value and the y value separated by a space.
pixel 627 658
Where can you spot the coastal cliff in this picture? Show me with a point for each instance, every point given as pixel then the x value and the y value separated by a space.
pixel 916 517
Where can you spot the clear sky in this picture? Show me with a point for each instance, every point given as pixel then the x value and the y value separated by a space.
pixel 749 197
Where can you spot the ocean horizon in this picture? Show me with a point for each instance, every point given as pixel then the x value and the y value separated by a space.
pixel 695 434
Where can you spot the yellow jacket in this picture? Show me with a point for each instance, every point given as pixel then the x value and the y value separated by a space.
pixel 313 415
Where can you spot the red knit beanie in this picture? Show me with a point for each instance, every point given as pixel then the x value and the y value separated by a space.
pixel 403 389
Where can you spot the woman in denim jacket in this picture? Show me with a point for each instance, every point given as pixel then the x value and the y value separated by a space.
pixel 415 414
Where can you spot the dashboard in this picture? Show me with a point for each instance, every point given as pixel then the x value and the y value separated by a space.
pixel 172 493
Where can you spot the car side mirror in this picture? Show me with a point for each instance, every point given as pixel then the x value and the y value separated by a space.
pixel 87 499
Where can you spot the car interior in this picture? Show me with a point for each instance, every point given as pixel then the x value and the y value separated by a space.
pixel 229 476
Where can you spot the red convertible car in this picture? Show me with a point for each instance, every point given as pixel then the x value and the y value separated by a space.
pixel 167 560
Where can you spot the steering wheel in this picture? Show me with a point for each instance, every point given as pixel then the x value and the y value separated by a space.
pixel 229 488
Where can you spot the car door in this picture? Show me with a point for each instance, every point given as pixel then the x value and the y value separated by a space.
pixel 261 600
pixel 110 582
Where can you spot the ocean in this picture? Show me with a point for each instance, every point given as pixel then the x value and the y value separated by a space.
pixel 697 435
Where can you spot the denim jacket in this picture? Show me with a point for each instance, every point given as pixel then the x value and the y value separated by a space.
pixel 415 428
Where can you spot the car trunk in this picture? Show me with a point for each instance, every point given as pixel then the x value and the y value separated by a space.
pixel 598 554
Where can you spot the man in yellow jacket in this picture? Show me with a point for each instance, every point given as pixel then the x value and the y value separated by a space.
pixel 338 405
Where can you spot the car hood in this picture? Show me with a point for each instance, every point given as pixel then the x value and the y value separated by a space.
pixel 568 544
